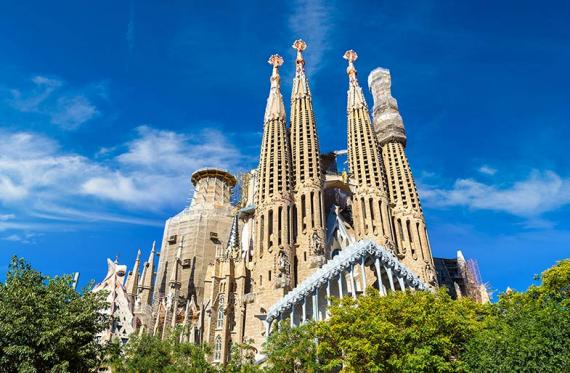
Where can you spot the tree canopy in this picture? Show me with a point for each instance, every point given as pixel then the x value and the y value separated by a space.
pixel 429 332
pixel 47 326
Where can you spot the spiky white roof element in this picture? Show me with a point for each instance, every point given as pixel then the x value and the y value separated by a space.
pixel 340 264
pixel 232 250
pixel 120 307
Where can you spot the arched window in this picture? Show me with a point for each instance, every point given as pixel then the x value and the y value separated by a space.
pixel 218 348
pixel 220 320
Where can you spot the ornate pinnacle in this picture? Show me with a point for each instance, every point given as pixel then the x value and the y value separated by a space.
pixel 300 46
pixel 275 60
pixel 350 56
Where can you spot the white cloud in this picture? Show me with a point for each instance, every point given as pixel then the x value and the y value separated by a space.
pixel 312 21
pixel 541 192
pixel 71 112
pixel 487 170
pixel 26 238
pixel 9 191
pixel 64 107
pixel 31 100
pixel 40 182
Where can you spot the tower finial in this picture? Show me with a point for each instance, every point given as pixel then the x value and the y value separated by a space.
pixel 351 56
pixel 300 46
pixel 275 60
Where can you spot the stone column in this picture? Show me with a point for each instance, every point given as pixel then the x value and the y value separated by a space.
pixel 352 282
pixel 363 274
pixel 390 278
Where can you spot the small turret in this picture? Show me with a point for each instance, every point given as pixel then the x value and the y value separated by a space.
pixel 146 287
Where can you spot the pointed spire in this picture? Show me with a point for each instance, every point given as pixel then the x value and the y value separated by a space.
pixel 355 95
pixel 133 280
pixel 275 108
pixel 233 240
pixel 148 270
pixel 300 84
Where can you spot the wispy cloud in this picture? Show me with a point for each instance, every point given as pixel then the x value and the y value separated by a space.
pixel 312 20
pixel 487 170
pixel 130 183
pixel 65 107
pixel 24 238
pixel 71 112
pixel 539 193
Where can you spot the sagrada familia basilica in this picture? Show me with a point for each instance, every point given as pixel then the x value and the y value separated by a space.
pixel 301 233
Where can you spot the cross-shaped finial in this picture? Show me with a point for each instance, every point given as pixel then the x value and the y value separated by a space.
pixel 299 45
pixel 350 55
pixel 275 60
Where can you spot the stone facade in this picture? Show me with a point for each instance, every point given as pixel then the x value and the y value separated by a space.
pixel 223 268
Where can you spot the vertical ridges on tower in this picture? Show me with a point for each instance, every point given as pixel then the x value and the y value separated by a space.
pixel 408 220
pixel 370 208
pixel 307 170
pixel 271 273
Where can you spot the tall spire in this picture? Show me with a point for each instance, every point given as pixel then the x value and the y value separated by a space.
pixel 133 280
pixel 370 202
pixel 307 171
pixel 275 158
pixel 273 252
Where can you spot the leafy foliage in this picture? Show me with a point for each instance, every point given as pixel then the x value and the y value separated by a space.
pixel 528 331
pixel 404 332
pixel 242 359
pixel 45 325
pixel 147 353
pixel 292 349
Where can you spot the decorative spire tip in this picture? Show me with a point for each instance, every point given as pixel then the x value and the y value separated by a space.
pixel 300 46
pixel 351 56
pixel 275 60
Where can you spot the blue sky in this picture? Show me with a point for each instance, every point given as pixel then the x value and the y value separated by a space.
pixel 107 107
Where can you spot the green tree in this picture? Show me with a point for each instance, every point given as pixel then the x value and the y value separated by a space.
pixel 292 349
pixel 400 332
pixel 47 326
pixel 146 353
pixel 527 331
pixel 242 359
